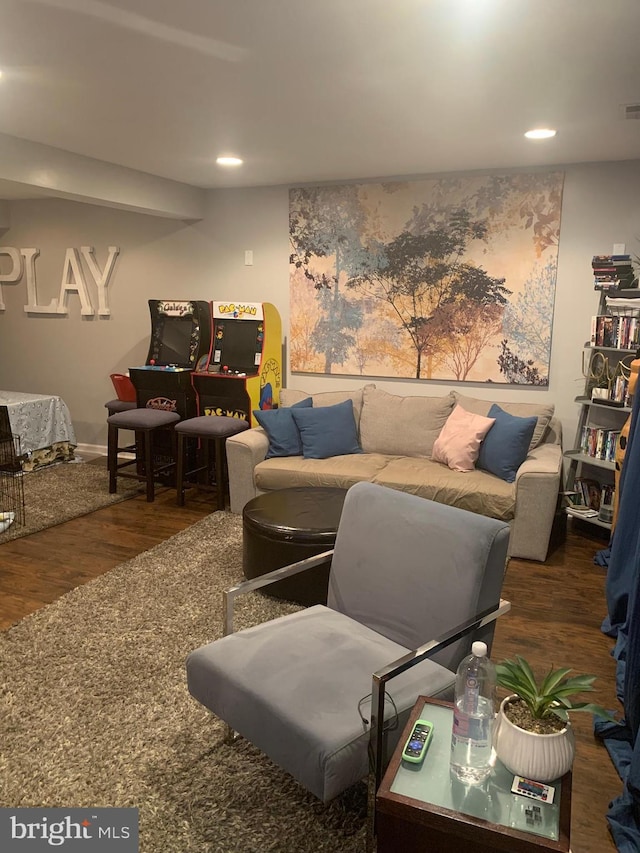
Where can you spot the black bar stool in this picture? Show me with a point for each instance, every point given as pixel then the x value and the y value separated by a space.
pixel 115 406
pixel 206 428
pixel 145 422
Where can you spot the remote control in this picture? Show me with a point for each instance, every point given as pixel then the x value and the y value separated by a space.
pixel 418 742
pixel 532 789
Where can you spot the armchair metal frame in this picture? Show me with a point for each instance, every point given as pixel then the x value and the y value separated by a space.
pixel 379 678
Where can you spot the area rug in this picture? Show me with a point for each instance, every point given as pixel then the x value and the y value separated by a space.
pixel 94 711
pixel 61 492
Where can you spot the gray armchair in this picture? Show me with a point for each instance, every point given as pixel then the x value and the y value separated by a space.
pixel 403 571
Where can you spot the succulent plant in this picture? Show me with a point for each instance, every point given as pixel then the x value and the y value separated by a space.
pixel 551 696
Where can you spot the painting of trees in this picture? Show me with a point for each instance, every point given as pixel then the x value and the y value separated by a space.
pixel 444 279
pixel 427 283
pixel 322 227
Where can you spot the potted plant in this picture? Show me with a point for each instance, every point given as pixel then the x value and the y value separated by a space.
pixel 533 736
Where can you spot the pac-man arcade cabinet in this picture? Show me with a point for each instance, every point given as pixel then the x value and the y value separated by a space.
pixel 244 370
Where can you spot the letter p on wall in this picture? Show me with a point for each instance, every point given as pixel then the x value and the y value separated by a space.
pixel 15 270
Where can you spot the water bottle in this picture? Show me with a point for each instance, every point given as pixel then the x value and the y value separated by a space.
pixel 473 716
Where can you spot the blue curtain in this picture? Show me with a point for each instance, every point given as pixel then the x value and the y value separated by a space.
pixel 623 623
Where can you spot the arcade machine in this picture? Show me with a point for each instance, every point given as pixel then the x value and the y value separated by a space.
pixel 244 370
pixel 180 340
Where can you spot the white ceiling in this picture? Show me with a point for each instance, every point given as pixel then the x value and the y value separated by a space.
pixel 320 90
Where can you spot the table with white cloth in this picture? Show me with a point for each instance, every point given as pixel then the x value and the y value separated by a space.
pixel 43 425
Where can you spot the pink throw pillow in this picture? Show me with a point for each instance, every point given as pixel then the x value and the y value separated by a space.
pixel 459 441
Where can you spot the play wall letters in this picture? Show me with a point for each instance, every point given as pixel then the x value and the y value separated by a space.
pixel 23 265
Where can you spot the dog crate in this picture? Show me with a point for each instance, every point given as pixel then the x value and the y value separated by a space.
pixel 12 508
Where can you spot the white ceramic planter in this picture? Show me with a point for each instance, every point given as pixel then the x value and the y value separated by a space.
pixel 540 757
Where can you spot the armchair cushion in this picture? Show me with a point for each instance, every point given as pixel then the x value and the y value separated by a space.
pixel 284 436
pixel 325 750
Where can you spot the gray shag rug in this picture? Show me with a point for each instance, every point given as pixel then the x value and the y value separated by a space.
pixel 94 711
pixel 61 492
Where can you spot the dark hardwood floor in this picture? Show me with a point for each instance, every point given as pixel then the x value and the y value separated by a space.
pixel 557 609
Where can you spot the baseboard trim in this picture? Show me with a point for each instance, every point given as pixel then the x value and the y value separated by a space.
pixel 91 449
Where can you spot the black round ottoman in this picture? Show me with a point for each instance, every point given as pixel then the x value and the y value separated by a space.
pixel 288 525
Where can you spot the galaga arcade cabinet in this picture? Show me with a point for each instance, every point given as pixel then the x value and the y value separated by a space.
pixel 180 340
pixel 244 371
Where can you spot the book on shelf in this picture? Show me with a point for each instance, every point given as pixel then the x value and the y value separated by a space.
pixel 604 259
pixel 590 491
pixel 614 332
pixel 589 494
pixel 599 443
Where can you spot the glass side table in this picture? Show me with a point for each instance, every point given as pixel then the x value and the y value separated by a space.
pixel 423 809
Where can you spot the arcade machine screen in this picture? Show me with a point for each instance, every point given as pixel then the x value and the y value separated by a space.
pixel 175 342
pixel 238 345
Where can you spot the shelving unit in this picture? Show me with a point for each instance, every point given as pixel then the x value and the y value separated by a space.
pixel 592 457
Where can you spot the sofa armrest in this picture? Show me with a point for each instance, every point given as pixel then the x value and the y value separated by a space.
pixel 244 451
pixel 544 459
pixel 537 488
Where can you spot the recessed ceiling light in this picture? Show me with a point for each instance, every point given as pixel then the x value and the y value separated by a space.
pixel 229 161
pixel 540 133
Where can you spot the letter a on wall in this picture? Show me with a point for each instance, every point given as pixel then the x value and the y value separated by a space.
pixel 73 281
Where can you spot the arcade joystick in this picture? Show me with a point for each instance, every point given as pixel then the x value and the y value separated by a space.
pixel 152 361
pixel 225 369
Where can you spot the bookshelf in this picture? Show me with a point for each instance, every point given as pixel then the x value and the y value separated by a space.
pixel 604 406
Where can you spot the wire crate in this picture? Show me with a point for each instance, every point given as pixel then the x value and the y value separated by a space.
pixel 11 475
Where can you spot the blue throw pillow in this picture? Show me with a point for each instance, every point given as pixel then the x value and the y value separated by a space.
pixel 506 445
pixel 284 438
pixel 327 431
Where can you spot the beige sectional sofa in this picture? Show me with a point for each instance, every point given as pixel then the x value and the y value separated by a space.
pixel 397 435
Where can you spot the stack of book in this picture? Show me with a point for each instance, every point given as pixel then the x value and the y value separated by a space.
pixel 612 271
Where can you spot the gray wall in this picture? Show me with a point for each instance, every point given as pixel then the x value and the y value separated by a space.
pixel 72 356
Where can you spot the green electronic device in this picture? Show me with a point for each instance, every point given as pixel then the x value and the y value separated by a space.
pixel 418 742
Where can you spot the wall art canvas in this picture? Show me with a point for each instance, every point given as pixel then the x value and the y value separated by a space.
pixel 446 279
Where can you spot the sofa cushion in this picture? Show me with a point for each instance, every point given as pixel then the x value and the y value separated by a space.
pixel 401 426
pixel 542 411
pixel 340 472
pixel 459 441
pixel 284 436
pixel 289 396
pixel 327 431
pixel 506 446
pixel 477 491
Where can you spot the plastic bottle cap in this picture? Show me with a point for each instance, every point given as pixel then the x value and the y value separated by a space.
pixel 479 649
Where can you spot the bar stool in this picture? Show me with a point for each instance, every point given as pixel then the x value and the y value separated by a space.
pixel 206 428
pixel 116 406
pixel 145 422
